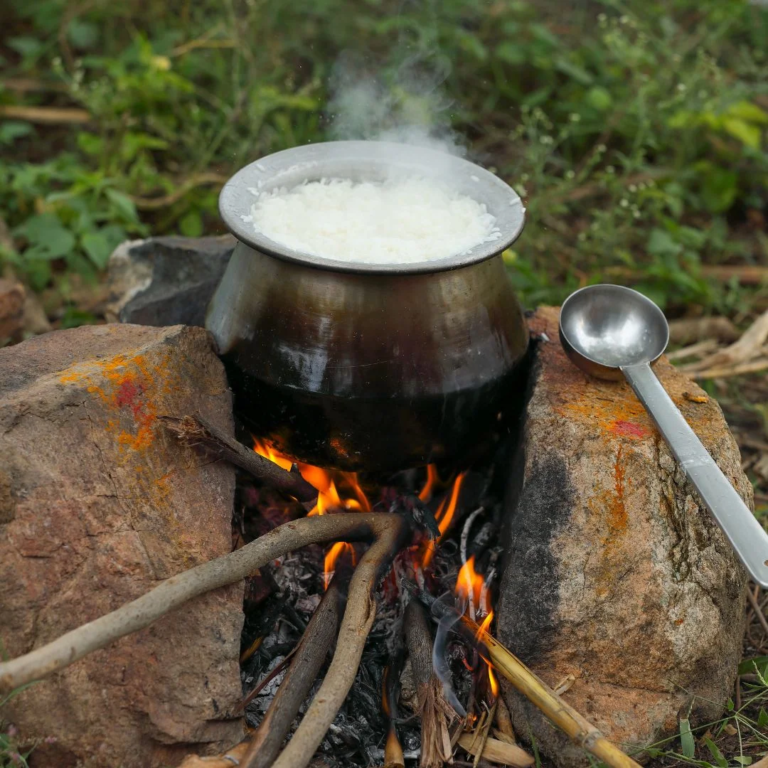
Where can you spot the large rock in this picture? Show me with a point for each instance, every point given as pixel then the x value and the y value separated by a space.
pixel 166 280
pixel 615 572
pixel 97 505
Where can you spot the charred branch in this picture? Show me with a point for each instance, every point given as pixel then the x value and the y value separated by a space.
pixel 435 712
pixel 387 531
pixel 305 666
pixel 196 433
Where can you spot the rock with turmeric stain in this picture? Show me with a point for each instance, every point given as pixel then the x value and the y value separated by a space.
pixel 97 505
pixel 615 572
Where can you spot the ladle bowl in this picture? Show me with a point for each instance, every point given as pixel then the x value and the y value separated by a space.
pixel 610 331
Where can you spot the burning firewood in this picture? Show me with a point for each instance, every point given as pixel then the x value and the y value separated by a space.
pixel 436 713
pixel 195 432
pixel 577 727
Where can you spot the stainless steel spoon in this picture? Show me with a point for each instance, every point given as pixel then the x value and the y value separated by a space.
pixel 609 332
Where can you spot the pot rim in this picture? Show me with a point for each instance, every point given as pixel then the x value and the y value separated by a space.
pixel 366 159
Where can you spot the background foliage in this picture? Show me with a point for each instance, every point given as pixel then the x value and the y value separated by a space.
pixel 637 130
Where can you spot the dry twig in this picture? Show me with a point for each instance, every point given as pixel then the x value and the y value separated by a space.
pixel 742 351
pixel 753 366
pixel 758 611
pixel 691 330
pixel 198 180
pixel 695 350
pixel 177 590
pixel 195 432
pixel 45 115
pixel 30 84
pixel 496 751
pixel 504 719
pixel 565 717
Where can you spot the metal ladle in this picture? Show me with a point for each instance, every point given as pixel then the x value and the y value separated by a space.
pixel 609 331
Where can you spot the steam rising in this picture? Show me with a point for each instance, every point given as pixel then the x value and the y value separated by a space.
pixel 407 107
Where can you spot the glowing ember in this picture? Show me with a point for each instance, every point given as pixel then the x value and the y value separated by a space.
pixel 332 556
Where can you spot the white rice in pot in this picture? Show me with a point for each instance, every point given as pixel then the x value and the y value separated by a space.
pixel 396 222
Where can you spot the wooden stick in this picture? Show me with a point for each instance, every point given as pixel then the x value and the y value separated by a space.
pixel 745 350
pixel 355 626
pixel 29 84
pixel 183 188
pixel 298 681
pixel 433 708
pixel 229 759
pixel 390 694
pixel 496 751
pixel 695 350
pixel 753 366
pixel 45 115
pixel 746 274
pixel 562 714
pixel 177 590
pixel 690 330
pixel 195 432
pixel 393 750
pixel 578 728
pixel 504 719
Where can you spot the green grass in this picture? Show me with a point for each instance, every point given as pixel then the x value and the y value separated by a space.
pixel 637 130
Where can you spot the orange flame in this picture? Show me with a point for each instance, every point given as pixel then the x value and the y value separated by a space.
pixel 444 516
pixel 482 630
pixel 493 681
pixel 425 494
pixel 332 556
pixel 469 584
pixel 328 496
pixel 326 482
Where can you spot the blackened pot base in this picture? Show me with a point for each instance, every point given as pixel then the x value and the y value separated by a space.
pixel 378 434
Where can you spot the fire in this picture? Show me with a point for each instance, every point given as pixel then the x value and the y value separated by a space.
pixel 484 626
pixel 469 586
pixel 472 587
pixel 444 515
pixel 327 482
pixel 332 556
pixel 494 683
pixel 425 494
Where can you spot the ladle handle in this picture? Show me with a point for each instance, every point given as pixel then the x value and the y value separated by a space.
pixel 746 535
